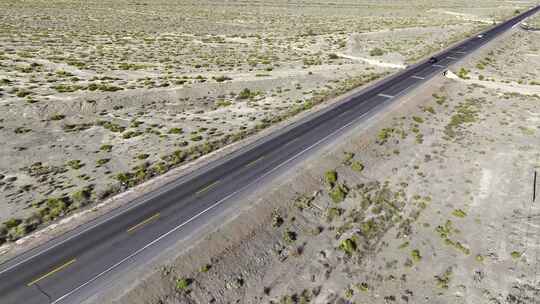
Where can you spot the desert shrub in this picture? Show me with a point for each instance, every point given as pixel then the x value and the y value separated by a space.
pixel 102 161
pixel 106 148
pixel 76 127
pixel 75 164
pixel 183 284
pixel 223 103
pixel 108 191
pixel 331 177
pixel 176 131
pixel 415 254
pixel 57 117
pixel 376 52
pixel 459 213
pixel 196 137
pixel 123 177
pixel 333 213
pixel 81 195
pixel 205 268
pixel 333 56
pixel 289 236
pixel 418 119
pixel 12 222
pixel 131 66
pixel 65 88
pixel 63 73
pixel 246 94
pixel 23 93
pixel 17 232
pixel 131 134
pixel 143 156
pixel 221 78
pixel 463 73
pixel 22 130
pixel 277 220
pixel 111 126
pixel 357 166
pixel 384 135
pixel 338 193
pixel 348 158
pixel 348 246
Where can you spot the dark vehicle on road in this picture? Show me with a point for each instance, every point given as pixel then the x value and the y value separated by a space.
pixel 433 60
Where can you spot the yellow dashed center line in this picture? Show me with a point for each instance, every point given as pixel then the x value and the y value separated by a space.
pixel 254 161
pixel 146 221
pixel 50 273
pixel 207 187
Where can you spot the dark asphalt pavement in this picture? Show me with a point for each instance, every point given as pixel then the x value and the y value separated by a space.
pixel 63 268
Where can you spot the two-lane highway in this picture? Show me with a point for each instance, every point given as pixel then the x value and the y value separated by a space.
pixel 61 269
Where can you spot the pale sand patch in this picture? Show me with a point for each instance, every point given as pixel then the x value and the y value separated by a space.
pixel 506 87
pixel 374 62
pixel 468 17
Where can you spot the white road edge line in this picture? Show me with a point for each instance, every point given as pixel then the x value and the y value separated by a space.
pixel 460 52
pixel 453 58
pixel 439 66
pixel 386 96
pixel 417 77
pixel 207 209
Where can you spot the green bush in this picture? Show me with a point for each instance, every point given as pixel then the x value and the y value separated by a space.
pixel 331 177
pixel 338 193
pixel 459 213
pixel 376 52
pixel 196 137
pixel 357 166
pixel 17 232
pixel 176 131
pixel 289 236
pixel 12 222
pixel 64 88
pixel 277 220
pixel 111 126
pixel 348 246
pixel 415 254
pixel 82 195
pixel 333 213
pixel 333 56
pixel 205 268
pixel 57 117
pixel 143 156
pixel 75 164
pixel 418 119
pixel 463 73
pixel 102 161
pixel 131 134
pixel 221 78
pixel 246 94
pixel 384 135
pixel 106 148
pixel 223 103
pixel 183 284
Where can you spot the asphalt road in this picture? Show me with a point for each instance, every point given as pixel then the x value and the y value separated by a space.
pixel 63 269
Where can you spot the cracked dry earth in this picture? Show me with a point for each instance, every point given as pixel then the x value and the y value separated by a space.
pixel 430 204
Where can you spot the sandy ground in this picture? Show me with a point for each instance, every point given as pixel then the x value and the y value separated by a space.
pixel 103 96
pixel 430 203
